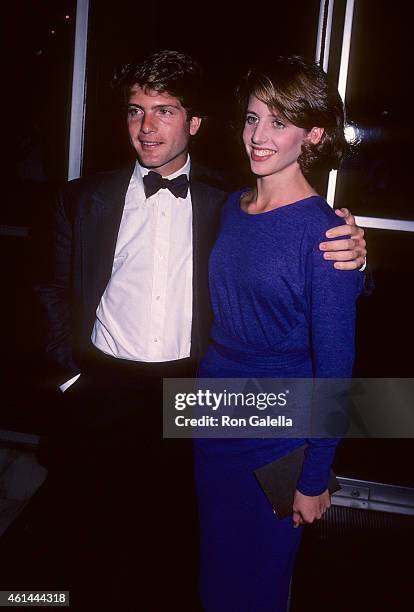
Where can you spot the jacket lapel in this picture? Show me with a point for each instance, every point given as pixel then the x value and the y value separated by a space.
pixel 100 221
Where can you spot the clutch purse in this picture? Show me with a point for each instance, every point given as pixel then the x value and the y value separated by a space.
pixel 279 479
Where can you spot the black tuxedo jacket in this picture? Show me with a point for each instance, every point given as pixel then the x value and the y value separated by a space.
pixel 77 257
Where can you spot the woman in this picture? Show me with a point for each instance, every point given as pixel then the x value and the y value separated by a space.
pixel 280 311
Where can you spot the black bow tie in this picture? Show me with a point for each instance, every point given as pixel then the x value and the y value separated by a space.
pixel 153 182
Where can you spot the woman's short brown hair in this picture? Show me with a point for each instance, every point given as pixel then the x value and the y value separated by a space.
pixel 300 92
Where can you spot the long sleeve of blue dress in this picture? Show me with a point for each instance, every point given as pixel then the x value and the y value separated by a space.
pixel 332 296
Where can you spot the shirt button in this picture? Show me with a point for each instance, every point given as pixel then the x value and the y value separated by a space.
pixel 155 339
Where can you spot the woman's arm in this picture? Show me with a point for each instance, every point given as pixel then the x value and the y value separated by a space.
pixel 332 296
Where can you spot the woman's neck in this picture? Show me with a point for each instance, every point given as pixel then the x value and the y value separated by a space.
pixel 278 190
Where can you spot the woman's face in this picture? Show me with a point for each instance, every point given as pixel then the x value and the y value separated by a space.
pixel 272 144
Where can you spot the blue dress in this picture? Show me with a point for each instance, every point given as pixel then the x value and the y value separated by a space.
pixel 280 311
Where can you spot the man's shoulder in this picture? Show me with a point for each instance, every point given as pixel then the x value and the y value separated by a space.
pixel 82 194
pixel 211 181
pixel 98 182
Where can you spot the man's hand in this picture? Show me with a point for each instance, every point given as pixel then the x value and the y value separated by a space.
pixel 307 508
pixel 348 253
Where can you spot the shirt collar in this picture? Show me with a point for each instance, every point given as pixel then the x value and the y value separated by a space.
pixel 140 171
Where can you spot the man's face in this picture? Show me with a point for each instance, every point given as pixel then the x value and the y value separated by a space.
pixel 159 130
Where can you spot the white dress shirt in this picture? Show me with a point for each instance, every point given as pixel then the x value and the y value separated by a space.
pixel 145 313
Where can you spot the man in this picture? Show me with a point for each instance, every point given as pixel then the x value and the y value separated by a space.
pixel 124 296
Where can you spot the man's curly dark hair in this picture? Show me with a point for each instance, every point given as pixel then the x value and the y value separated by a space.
pixel 167 71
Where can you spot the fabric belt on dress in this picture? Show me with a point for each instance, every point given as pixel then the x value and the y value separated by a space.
pixel 234 348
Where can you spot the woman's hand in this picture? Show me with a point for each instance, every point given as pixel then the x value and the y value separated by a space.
pixel 307 508
pixel 348 253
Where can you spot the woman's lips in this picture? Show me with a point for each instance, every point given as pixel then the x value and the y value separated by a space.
pixel 261 154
